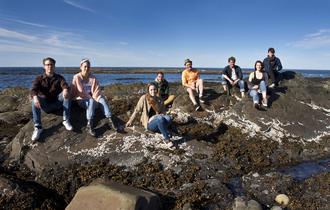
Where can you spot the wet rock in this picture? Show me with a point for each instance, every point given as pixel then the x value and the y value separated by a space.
pixel 187 206
pixel 102 194
pixel 312 193
pixel 17 194
pixel 276 208
pixel 241 204
pixel 266 187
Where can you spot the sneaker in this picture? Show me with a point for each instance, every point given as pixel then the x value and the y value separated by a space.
pixel 264 103
pixel 67 125
pixel 36 134
pixel 272 85
pixel 197 107
pixel 201 99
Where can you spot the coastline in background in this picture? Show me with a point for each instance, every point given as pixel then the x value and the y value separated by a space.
pixel 23 76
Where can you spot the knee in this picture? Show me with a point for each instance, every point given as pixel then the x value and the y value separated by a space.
pixel 190 91
pixel 161 120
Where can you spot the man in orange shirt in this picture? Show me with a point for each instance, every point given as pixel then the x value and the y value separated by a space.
pixel 193 83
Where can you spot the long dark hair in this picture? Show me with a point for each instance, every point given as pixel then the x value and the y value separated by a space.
pixel 153 101
pixel 262 65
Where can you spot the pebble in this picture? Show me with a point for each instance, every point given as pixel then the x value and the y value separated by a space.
pixel 276 208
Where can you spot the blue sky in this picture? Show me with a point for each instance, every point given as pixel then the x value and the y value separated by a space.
pixel 165 32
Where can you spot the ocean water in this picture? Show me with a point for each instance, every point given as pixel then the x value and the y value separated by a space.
pixel 24 76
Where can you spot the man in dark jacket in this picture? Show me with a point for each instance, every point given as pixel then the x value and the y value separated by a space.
pixel 163 88
pixel 232 76
pixel 49 92
pixel 272 66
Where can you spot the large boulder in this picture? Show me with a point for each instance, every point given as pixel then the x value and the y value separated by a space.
pixel 8 103
pixel 104 195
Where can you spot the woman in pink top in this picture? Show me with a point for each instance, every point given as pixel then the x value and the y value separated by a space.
pixel 86 90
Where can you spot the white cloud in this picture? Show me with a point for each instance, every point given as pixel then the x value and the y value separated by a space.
pixel 319 39
pixel 26 22
pixel 5 33
pixel 79 6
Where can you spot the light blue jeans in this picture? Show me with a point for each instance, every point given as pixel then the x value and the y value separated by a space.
pixel 254 92
pixel 90 105
pixel 240 83
pixel 50 106
pixel 160 124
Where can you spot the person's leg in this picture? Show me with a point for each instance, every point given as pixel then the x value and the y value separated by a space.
pixel 241 87
pixel 255 96
pixel 192 95
pixel 278 77
pixel 105 108
pixel 36 113
pixel 271 75
pixel 263 89
pixel 169 100
pixel 89 105
pixel 66 104
pixel 107 113
pixel 200 87
pixel 160 123
pixel 224 83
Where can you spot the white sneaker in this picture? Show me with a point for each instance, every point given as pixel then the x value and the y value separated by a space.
pixel 272 85
pixel 67 125
pixel 36 133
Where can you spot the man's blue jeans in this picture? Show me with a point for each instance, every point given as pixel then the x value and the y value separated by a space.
pixel 160 123
pixel 254 93
pixel 50 106
pixel 90 106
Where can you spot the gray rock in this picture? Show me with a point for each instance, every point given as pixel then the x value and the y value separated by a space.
pixel 104 195
pixel 276 208
pixel 240 203
pixel 8 103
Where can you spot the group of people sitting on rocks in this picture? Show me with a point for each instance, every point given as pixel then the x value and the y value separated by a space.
pixel 51 92
pixel 257 80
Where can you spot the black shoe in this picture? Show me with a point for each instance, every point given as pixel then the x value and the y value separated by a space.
pixel 197 107
pixel 257 106
pixel 90 128
pixel 112 124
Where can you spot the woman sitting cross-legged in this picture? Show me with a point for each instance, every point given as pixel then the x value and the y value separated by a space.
pixel 153 116
pixel 257 83
pixel 86 90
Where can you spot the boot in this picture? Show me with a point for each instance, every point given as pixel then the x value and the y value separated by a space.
pixel 90 128
pixel 112 124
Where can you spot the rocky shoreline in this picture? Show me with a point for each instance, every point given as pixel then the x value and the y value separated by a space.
pixel 225 153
